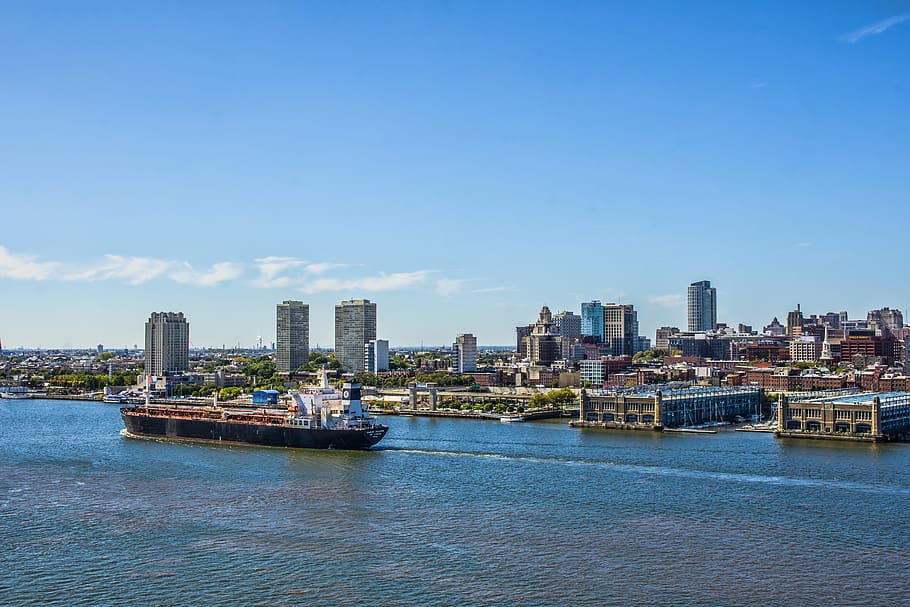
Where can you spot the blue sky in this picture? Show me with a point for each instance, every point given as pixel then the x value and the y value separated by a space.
pixel 459 163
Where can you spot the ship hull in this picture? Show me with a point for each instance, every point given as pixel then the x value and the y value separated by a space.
pixel 270 435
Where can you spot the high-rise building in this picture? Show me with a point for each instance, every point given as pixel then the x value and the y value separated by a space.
pixel 620 323
pixel 662 337
pixel 355 326
pixel 167 343
pixel 795 322
pixel 592 320
pixel 464 354
pixel 293 334
pixel 376 355
pixel 702 306
pixel 542 345
pixel 885 320
pixel 568 326
pixel 521 339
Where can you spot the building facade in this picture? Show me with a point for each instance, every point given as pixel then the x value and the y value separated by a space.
pixel 662 337
pixel 355 326
pixel 464 353
pixel 702 308
pixel 638 409
pixel 620 328
pixel 376 355
pixel 568 326
pixel 885 320
pixel 805 348
pixel 293 335
pixel 592 320
pixel 542 345
pixel 865 417
pixel 167 343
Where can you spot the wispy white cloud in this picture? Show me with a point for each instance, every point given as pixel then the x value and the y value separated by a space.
pixel 22 267
pixel 670 300
pixel 758 84
pixel 876 28
pixel 381 282
pixel 220 272
pixel 492 290
pixel 270 272
pixel 449 286
pixel 803 244
pixel 272 269
pixel 323 267
pixel 133 270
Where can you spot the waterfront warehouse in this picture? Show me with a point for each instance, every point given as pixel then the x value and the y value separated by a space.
pixel 870 416
pixel 647 408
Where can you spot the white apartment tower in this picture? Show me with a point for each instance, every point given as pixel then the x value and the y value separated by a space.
pixel 293 335
pixel 355 326
pixel 167 343
pixel 702 306
pixel 464 354
pixel 376 355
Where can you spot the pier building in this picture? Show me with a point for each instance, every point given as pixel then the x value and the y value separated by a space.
pixel 869 416
pixel 652 408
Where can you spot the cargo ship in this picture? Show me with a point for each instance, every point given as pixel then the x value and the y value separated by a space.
pixel 316 418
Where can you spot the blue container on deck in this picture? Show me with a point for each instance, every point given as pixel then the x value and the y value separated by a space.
pixel 265 397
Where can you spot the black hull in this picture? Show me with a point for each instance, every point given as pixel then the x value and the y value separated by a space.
pixel 209 430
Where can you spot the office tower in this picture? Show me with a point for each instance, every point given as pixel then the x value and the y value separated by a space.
pixel 521 339
pixel 592 320
pixel 464 354
pixel 795 322
pixel 293 335
pixel 568 326
pixel 885 320
pixel 355 326
pixel 376 355
pixel 662 337
pixel 620 325
pixel 702 306
pixel 167 343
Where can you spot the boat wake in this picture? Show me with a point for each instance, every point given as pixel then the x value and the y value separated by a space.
pixel 668 471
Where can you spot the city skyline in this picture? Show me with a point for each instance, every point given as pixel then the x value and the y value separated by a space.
pixel 218 162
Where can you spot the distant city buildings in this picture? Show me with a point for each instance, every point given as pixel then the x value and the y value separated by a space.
pixel 702 308
pixel 355 326
pixel 167 343
pixel 376 356
pixel 464 354
pixel 293 335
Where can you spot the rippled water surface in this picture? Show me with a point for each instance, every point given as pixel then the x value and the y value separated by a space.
pixel 446 512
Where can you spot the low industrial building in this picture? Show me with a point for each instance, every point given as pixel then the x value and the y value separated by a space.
pixel 869 416
pixel 647 408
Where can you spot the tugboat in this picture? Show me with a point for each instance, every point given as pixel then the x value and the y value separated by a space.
pixel 317 418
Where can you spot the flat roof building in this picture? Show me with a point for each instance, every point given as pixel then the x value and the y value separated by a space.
pixel 647 408
pixel 702 308
pixel 868 416
pixel 167 343
pixel 293 335
pixel 355 326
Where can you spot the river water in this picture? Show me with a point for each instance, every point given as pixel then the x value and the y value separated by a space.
pixel 446 512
